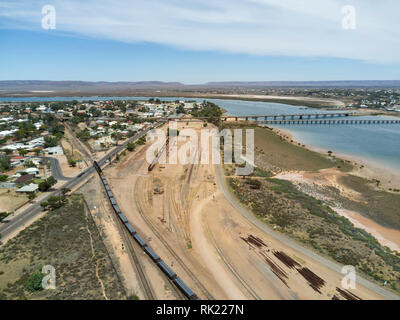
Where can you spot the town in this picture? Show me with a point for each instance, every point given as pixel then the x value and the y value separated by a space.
pixel 37 145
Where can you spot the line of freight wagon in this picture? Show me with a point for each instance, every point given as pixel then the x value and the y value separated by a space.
pixel 160 263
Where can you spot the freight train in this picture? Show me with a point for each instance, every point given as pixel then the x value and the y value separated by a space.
pixel 157 260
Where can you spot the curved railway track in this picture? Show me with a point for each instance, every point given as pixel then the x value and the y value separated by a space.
pixel 172 252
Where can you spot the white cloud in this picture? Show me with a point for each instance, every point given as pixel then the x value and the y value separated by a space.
pixel 261 27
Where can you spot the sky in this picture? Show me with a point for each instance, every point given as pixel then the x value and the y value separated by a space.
pixel 198 41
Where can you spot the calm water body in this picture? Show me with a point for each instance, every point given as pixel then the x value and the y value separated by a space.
pixel 376 143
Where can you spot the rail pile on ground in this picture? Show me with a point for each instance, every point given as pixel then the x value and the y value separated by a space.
pixel 156 259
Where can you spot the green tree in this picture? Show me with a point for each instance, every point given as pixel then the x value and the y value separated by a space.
pixel 5 163
pixel 35 282
pixel 29 164
pixel 37 151
pixel 131 146
pixel 22 152
pixel 116 136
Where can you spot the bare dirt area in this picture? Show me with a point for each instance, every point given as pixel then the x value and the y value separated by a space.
pixel 66 169
pixel 10 200
pixel 185 215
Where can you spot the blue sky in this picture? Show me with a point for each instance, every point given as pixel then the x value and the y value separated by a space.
pixel 199 41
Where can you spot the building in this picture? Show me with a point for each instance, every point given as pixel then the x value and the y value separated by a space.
pixel 30 188
pixel 54 150
pixel 24 179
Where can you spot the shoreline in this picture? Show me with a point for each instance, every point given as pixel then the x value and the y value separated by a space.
pixel 385 236
pixel 372 169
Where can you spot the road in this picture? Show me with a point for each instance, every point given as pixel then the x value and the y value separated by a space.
pixel 290 243
pixel 56 171
pixel 10 227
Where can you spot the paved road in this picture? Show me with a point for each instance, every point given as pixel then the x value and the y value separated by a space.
pixel 290 243
pixel 8 227
pixel 56 171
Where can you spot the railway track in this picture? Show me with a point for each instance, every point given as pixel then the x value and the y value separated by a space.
pixel 172 252
pixel 78 145
pixel 231 268
pixel 133 257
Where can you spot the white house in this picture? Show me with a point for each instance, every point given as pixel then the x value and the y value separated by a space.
pixel 54 150
pixel 32 170
pixel 30 188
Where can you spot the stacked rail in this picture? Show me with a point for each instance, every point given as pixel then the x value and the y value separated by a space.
pixel 156 259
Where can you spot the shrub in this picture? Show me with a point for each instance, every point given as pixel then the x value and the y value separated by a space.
pixel 35 282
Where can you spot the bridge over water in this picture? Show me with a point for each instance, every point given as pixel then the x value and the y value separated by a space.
pixel 240 118
pixel 330 121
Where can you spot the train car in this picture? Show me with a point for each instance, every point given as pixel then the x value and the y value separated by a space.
pixel 167 270
pixel 113 202
pixel 122 217
pixel 154 256
pixel 117 209
pixel 110 195
pixel 139 240
pixel 185 289
pixel 130 228
pixel 107 187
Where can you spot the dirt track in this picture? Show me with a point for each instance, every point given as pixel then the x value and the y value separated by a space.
pixel 184 215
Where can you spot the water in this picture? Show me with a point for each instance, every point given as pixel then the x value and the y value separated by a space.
pixel 377 143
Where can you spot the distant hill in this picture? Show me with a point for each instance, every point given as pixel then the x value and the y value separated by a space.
pixel 76 86
pixel 311 84
pixel 42 87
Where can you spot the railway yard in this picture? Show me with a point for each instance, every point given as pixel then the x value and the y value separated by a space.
pixel 187 216
pixel 176 231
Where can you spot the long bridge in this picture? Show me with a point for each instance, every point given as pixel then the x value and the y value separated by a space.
pixel 238 118
pixel 330 121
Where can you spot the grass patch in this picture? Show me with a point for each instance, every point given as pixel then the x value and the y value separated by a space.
pixel 62 239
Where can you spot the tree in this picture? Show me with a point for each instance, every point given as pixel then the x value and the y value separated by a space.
pixel 64 191
pixel 22 152
pixel 131 146
pixel 7 151
pixel 32 196
pixel 180 109
pixel 50 141
pixel 54 202
pixel 116 136
pixel 5 163
pixel 35 282
pixel 29 164
pixel 72 162
pixel 37 151
pixel 47 184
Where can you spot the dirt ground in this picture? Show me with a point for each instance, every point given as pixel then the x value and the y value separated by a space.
pixel 184 214
pixel 107 222
pixel 9 201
